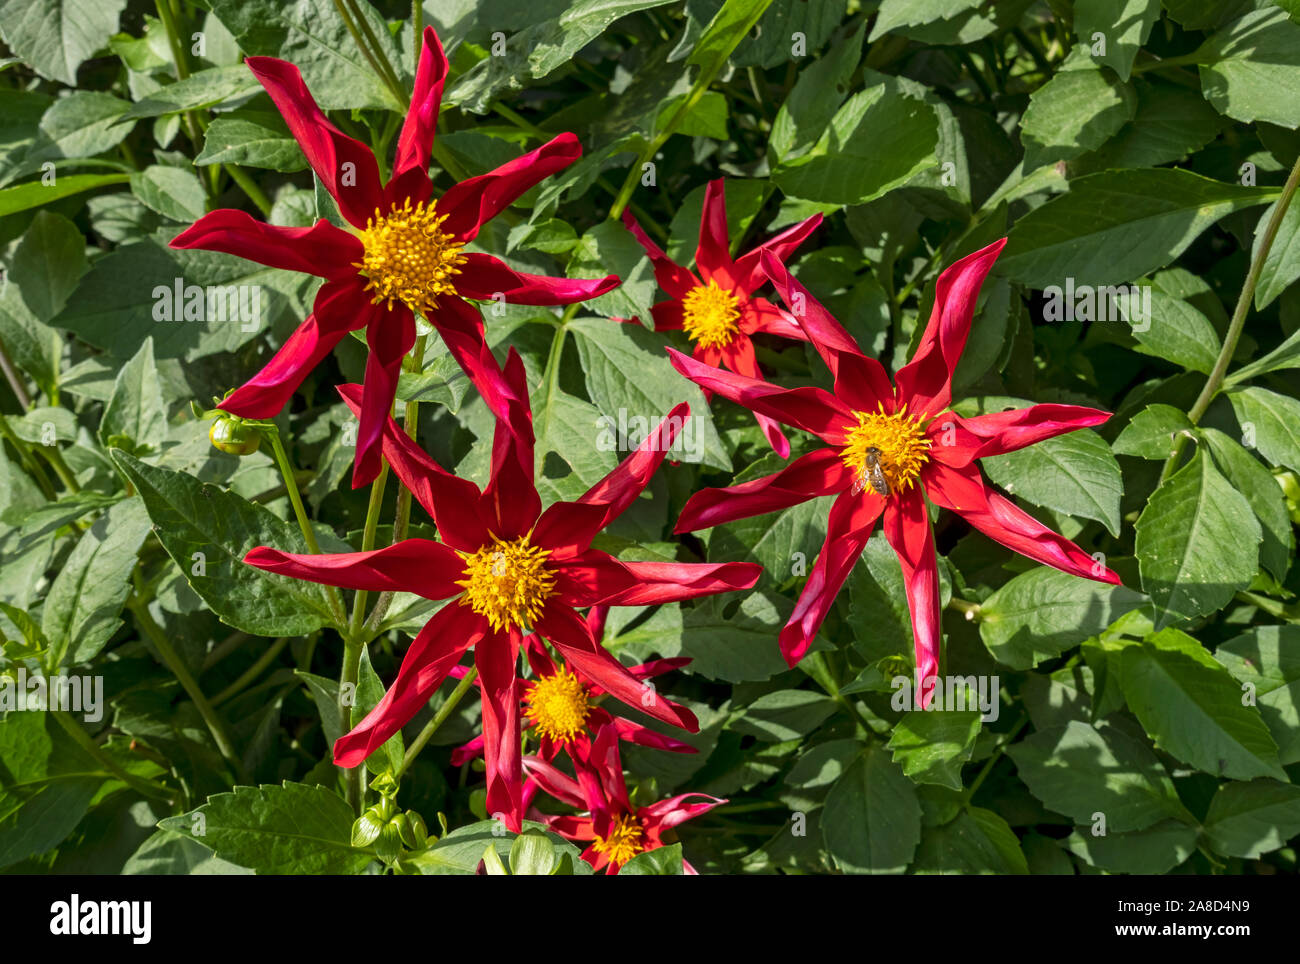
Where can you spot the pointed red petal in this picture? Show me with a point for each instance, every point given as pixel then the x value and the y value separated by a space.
pixel 485 278
pixel 496 658
pixel 925 383
pixel 749 270
pixel 345 166
pixel 322 249
pixel 820 472
pixel 416 139
pixel 713 256
pixel 461 327
pixel 426 568
pixel 672 277
pixel 907 527
pixel 1000 432
pixel 390 339
pixel 510 502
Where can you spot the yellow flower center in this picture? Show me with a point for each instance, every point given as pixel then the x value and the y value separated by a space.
pixel 624 841
pixel 886 450
pixel 557 705
pixel 507 582
pixel 408 257
pixel 711 315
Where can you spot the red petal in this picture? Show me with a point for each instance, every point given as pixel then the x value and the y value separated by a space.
pixel 389 342
pixel 848 527
pixel 452 502
pixel 743 362
pixel 556 783
pixel 467 751
pixel 811 409
pixel 438 647
pixel 820 472
pixel 485 278
pixel 473 202
pixel 322 249
pixel 672 277
pixel 925 383
pixel 461 328
pixel 496 658
pixel 860 382
pixel 573 525
pixel 713 256
pixel 668 316
pixel 356 189
pixel 963 490
pixel 907 527
pixel 761 315
pixel 675 810
pixel 570 635
pixel 340 307
pixel 416 139
pixel 426 568
pixel 665 582
pixel 749 270
pixel 644 736
pixel 510 501
pixel 1000 432
pixel 588 578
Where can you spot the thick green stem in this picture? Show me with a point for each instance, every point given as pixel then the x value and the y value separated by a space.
pixel 347 700
pixel 79 736
pixel 1238 322
pixel 439 718
pixel 295 499
pixel 140 609
pixel 14 379
pixel 417 28
pixel 255 193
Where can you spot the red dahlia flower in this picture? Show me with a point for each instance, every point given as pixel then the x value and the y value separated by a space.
pixel 616 829
pixel 560 704
pixel 721 312
pixel 403 253
pixel 890 447
pixel 508 568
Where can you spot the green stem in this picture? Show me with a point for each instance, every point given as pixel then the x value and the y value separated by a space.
pixel 140 609
pixel 83 739
pixel 389 81
pixel 367 544
pixel 1238 322
pixel 25 456
pixel 14 379
pixel 295 499
pixel 969 794
pixel 55 458
pixel 252 672
pixel 417 28
pixel 348 687
pixel 439 718
pixel 255 193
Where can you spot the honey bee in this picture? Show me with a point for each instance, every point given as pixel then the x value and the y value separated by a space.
pixel 872 474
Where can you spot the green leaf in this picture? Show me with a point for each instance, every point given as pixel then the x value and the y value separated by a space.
pixel 1273 421
pixel 22 197
pixel 1077 110
pixel 978 841
pixel 1118 225
pixel 370 690
pixel 1248 62
pixel 1265 658
pixel 1248 476
pixel 1125 25
pixel 567 426
pixel 58 36
pixel 909 13
pixel 288 829
pixel 1151 432
pixel 136 409
pixel 737 647
pixel 809 107
pixel 1282 266
pixel 1155 850
pixel 627 371
pixel 1197 542
pixel 878 140
pixel 1079 770
pixel 1176 331
pixel 84 602
pixel 785 715
pixel 172 192
pixel 932 746
pixel 1195 712
pixel 785 543
pixel 253 138
pixel 167 852
pixel 1250 819
pixel 207 530
pixel 202 89
pixel 872 820
pixel 46 785
pixel 1043 612
pixel 460 851
pixel 724 32
pixel 1075 474
pixel 660 862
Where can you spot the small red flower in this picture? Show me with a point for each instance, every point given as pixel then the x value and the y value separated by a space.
pixel 721 312
pixel 508 567
pixel 404 252
pixel 615 830
pixel 560 704
pixel 890 447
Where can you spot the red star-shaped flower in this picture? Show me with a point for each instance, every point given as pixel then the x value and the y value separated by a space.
pixel 889 448
pixel 722 311
pixel 403 252
pixel 508 568
pixel 616 830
